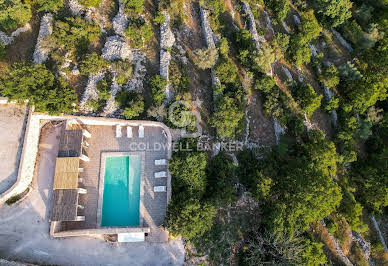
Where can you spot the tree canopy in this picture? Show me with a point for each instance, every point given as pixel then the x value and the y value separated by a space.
pixel 13 13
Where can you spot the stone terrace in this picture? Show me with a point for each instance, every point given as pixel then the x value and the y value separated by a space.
pixel 103 140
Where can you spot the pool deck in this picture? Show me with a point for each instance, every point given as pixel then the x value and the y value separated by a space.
pixel 103 140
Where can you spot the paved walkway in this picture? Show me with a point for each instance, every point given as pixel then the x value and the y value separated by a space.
pixel 24 228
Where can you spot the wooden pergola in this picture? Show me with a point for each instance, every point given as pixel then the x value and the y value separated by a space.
pixel 66 173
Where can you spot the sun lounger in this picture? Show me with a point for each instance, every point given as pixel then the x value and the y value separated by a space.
pixel 80 218
pixel 160 189
pixel 80 170
pixel 118 131
pixel 86 133
pixel 84 158
pixel 82 191
pixel 160 174
pixel 141 132
pixel 161 162
pixel 129 132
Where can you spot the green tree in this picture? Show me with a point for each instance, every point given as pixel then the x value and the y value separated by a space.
pixel 334 12
pixel 221 178
pixel 188 171
pixel 158 85
pixel 35 83
pixel 279 7
pixel 92 64
pixel 139 33
pixel 131 103
pixel 306 97
pixel 133 8
pixel 48 5
pixel 205 58
pixel 13 14
pixel 227 117
pixel 264 58
pixel 90 3
pixel 190 219
pixel 329 76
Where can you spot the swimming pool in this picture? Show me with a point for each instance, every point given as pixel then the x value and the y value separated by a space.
pixel 121 196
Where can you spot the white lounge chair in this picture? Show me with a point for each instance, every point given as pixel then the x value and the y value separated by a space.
pixel 141 132
pixel 118 131
pixel 84 158
pixel 160 174
pixel 160 189
pixel 161 162
pixel 86 133
pixel 80 218
pixel 82 191
pixel 129 132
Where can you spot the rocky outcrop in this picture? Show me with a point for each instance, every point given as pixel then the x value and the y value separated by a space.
pixel 139 72
pixel 338 249
pixel 286 28
pixel 279 130
pixel 91 92
pixel 167 40
pixel 252 25
pixel 328 95
pixel 365 246
pixel 296 20
pixel 288 74
pixel 116 48
pixel 206 29
pixel 120 21
pixel 313 49
pixel 41 52
pixel 268 20
pixel 90 14
pixel 7 40
pixel 342 40
pixel 111 105
pixel 376 225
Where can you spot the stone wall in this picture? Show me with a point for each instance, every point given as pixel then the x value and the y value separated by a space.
pixel 45 30
pixel 167 40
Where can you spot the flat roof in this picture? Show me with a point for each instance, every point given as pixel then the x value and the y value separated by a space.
pixel 66 173
pixel 65 204
pixel 70 144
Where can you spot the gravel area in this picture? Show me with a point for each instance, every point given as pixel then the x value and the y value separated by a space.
pixel 12 120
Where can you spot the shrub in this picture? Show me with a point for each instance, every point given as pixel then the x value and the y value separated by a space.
pixel 227 117
pixel 90 3
pixel 13 199
pixel 92 64
pixel 306 97
pixel 139 33
pixel 124 70
pixel 131 102
pixel 159 18
pixel 282 41
pixel 226 71
pixel 3 51
pixel 279 7
pixel 334 12
pixel 263 59
pixel 223 47
pixel 190 219
pixel 13 14
pixel 48 5
pixel 205 58
pixel 133 8
pixel 158 85
pixel 35 83
pixel 332 104
pixel 329 76
pixel 179 79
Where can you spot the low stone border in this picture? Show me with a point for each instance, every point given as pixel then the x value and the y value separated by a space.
pixel 104 155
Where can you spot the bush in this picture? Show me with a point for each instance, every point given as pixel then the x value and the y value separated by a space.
pixel 226 71
pixel 72 34
pixel 227 117
pixel 189 176
pixel 306 97
pixel 221 178
pixel 35 83
pixel 263 59
pixel 329 76
pixel 92 64
pixel 124 70
pixel 90 3
pixel 179 79
pixel 131 102
pixel 280 8
pixel 205 58
pixel 103 94
pixel 139 33
pixel 334 12
pixel 282 41
pixel 332 104
pixel 133 8
pixel 190 219
pixel 159 18
pixel 223 47
pixel 48 5
pixel 158 85
pixel 13 14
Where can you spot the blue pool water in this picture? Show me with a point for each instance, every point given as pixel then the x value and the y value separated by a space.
pixel 121 197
